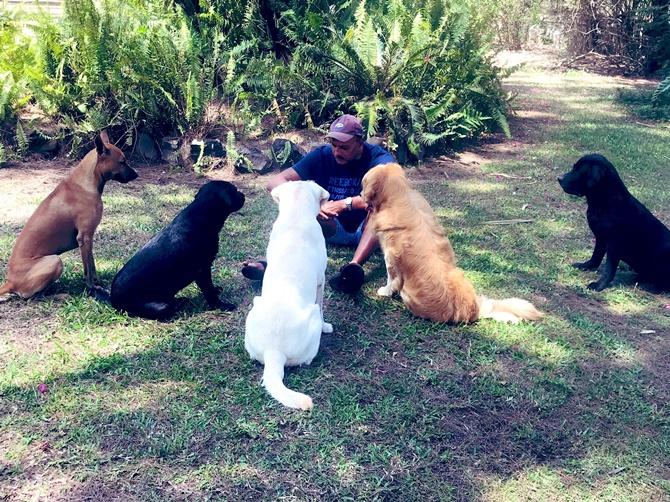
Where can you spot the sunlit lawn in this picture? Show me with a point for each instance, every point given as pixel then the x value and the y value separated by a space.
pixel 574 407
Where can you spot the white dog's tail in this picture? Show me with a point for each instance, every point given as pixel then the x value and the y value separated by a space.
pixel 273 379
pixel 508 310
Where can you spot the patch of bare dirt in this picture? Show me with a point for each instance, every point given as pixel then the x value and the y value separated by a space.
pixel 540 57
pixel 603 64
pixel 23 185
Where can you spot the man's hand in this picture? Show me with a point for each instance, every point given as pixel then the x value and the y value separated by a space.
pixel 331 209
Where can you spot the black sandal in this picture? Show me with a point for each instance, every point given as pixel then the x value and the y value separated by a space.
pixel 253 271
pixel 349 279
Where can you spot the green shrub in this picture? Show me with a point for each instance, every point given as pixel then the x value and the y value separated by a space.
pixel 418 75
pixel 661 96
pixel 130 65
pixel 415 71
pixel 18 67
pixel 645 103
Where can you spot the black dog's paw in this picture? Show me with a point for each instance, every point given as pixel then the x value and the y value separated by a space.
pixel 99 293
pixel 596 286
pixel 584 265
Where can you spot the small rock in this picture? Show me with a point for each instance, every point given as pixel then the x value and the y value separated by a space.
pixel 242 165
pixel 266 168
pixel 377 140
pixel 256 160
pixel 209 148
pixel 285 153
pixel 146 148
pixel 170 149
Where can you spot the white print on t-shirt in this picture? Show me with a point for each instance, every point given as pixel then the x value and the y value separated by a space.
pixel 341 188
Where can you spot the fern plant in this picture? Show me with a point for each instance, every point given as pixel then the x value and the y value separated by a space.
pixel 133 66
pixel 17 66
pixel 417 74
pixel 661 95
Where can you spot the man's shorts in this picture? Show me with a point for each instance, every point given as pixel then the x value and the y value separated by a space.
pixel 344 238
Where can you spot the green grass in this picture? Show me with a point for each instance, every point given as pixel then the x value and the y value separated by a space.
pixel 573 407
pixel 638 102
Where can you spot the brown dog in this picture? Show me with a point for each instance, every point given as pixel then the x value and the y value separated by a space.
pixel 66 219
pixel 420 262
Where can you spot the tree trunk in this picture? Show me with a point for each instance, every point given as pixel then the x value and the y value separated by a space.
pixel 279 47
pixel 657 33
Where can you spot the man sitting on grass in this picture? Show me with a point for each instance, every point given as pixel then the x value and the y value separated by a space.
pixel 338 167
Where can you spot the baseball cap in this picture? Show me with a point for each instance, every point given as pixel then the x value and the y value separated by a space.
pixel 345 127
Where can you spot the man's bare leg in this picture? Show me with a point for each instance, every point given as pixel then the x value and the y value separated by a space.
pixel 368 243
pixel 328 227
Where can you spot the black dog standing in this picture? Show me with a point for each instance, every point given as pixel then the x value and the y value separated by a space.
pixel 179 254
pixel 624 229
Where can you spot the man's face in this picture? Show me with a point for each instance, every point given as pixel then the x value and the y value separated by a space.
pixel 347 151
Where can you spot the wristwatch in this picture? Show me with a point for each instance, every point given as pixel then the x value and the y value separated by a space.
pixel 348 201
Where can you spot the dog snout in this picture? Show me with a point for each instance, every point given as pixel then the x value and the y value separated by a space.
pixel 125 176
pixel 128 174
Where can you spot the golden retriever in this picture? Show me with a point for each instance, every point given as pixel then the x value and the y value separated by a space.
pixel 420 262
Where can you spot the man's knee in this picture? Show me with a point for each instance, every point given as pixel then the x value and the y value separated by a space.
pixel 328 227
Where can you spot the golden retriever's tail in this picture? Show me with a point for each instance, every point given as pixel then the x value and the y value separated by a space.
pixel 508 310
pixel 273 379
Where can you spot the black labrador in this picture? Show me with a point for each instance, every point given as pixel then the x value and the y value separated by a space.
pixel 624 229
pixel 179 254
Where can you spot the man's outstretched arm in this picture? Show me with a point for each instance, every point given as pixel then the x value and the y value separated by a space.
pixel 289 174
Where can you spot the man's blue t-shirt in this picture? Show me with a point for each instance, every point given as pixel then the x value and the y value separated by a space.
pixel 342 181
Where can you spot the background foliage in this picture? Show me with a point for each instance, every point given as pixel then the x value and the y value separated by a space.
pixel 418 72
pixel 415 71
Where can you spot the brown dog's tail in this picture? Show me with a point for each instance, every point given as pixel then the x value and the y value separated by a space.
pixel 508 310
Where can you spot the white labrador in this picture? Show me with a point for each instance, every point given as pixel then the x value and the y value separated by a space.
pixel 285 323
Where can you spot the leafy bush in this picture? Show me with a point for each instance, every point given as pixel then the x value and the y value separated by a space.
pixel 18 67
pixel 132 65
pixel 419 76
pixel 641 102
pixel 414 70
pixel 661 96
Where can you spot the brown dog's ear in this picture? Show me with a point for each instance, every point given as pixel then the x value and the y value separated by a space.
pixel 383 183
pixel 100 143
pixel 373 185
